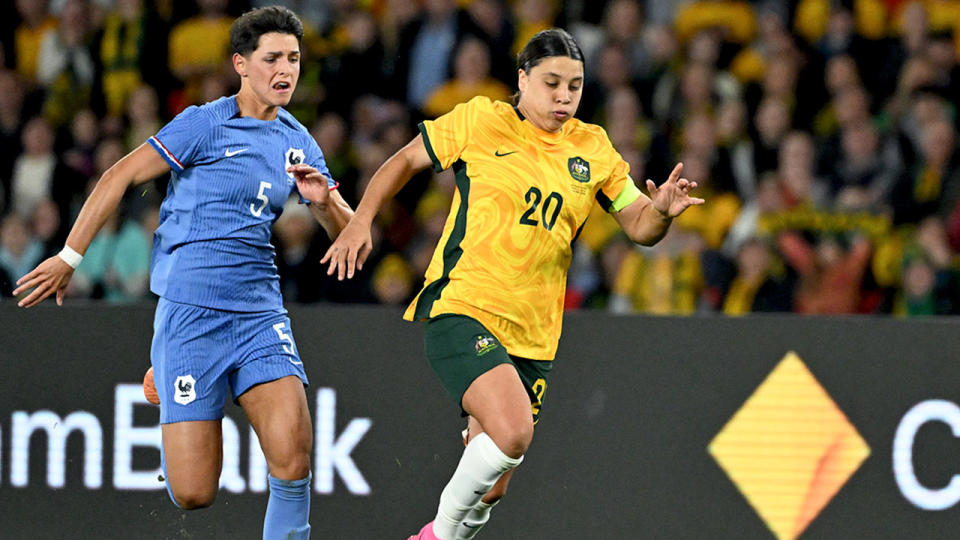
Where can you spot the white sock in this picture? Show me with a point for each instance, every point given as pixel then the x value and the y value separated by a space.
pixel 480 467
pixel 475 520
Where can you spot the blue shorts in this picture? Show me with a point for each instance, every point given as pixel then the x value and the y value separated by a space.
pixel 198 352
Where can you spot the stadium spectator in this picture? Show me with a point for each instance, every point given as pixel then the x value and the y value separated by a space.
pixel 532 16
pixel 867 167
pixel 198 46
pixel 831 271
pixel 47 228
pixel 624 25
pixel 772 123
pixel 358 56
pixel 735 19
pixel 393 281
pixel 65 66
pixel 11 124
pixel 142 115
pixel 931 274
pixel 39 174
pixel 841 74
pixel 122 49
pixel 799 186
pixel 116 266
pixel 732 138
pixel 84 135
pixel 293 233
pixel 332 134
pixel 19 251
pixel 613 72
pixel 471 77
pixel 664 280
pixel 767 200
pixel 36 23
pixel 626 125
pixel 710 222
pixel 932 185
pixel 700 140
pixel 761 283
pixel 496 27
pixel 428 44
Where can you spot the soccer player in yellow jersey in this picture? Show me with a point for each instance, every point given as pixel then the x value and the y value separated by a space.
pixel 526 178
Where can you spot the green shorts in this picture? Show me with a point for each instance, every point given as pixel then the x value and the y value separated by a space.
pixel 460 349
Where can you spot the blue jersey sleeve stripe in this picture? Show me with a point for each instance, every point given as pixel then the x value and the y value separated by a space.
pixel 165 154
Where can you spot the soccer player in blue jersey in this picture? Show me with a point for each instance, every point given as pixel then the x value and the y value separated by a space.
pixel 220 324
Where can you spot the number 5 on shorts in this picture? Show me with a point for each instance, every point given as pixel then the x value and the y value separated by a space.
pixel 284 337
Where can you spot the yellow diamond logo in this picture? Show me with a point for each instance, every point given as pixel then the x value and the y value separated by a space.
pixel 789 449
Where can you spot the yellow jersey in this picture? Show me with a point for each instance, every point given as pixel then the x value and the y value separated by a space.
pixel 522 196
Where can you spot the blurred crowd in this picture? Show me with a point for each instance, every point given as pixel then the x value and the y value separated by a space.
pixel 822 133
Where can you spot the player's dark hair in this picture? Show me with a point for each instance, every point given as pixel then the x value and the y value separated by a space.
pixel 245 32
pixel 546 44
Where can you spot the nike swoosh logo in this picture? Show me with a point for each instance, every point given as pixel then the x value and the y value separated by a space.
pixel 228 153
pixel 498 154
pixel 471 526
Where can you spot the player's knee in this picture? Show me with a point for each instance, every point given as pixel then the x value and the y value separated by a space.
pixel 520 443
pixel 292 466
pixel 194 499
pixel 516 439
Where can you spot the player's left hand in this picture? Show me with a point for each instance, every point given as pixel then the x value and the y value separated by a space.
pixel 311 184
pixel 673 196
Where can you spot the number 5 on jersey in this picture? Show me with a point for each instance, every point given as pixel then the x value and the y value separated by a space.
pixel 262 197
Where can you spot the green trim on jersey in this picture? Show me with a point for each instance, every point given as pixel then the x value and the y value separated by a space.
pixel 452 250
pixel 426 143
pixel 629 194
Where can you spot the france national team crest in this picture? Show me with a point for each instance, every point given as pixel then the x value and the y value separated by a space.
pixel 579 169
pixel 185 389
pixel 293 156
pixel 485 344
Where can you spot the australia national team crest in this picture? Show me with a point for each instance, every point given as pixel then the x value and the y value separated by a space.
pixel 293 156
pixel 485 344
pixel 579 169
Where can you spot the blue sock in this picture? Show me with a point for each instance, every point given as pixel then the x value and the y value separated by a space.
pixel 288 509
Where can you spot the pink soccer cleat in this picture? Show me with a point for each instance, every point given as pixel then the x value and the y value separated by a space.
pixel 426 533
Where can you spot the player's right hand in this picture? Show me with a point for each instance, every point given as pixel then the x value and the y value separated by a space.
pixel 52 275
pixel 349 251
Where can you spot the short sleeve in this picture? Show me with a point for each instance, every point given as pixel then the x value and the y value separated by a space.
pixel 179 141
pixel 446 137
pixel 617 190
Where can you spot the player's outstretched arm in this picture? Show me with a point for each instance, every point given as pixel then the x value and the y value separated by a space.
pixel 53 274
pixel 647 219
pixel 354 244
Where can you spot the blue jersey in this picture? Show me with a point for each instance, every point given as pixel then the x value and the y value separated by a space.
pixel 227 187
